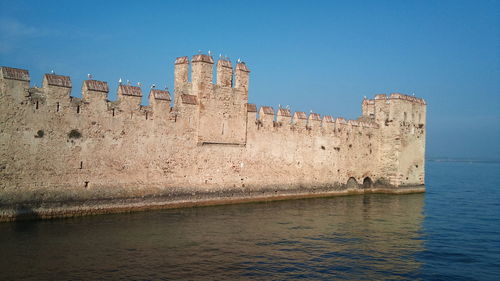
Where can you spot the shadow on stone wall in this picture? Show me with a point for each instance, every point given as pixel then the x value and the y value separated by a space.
pixel 24 212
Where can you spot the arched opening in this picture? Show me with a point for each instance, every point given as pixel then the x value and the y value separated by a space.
pixel 352 183
pixel 367 182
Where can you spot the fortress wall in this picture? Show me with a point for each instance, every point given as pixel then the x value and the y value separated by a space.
pixel 211 141
pixel 310 154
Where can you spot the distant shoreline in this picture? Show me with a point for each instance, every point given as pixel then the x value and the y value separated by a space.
pixel 465 160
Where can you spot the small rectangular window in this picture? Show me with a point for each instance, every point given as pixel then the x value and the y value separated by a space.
pixel 78 109
pixel 57 107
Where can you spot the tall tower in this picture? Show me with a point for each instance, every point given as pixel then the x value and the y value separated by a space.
pixel 402 122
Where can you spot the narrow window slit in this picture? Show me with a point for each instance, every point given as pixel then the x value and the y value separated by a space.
pixel 81 164
pixel 78 109
pixel 36 107
pixel 58 106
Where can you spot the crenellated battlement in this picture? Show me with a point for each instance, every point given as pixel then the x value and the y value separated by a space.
pixel 15 74
pixel 266 115
pixel 57 81
pixel 395 96
pixel 129 90
pixel 96 86
pixel 203 138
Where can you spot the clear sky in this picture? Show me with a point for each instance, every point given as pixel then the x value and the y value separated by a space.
pixel 312 55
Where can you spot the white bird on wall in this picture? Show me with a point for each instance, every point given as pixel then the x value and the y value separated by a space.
pixel 239 60
pixel 209 53
pixel 153 86
pixel 220 56
pixel 139 84
pixel 52 72
pixel 120 81
pixel 89 76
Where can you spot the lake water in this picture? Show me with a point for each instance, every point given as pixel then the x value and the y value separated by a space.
pixel 452 232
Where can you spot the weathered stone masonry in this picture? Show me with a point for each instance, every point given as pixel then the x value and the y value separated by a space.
pixel 64 156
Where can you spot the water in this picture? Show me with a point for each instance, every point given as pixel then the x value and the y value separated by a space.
pixel 452 232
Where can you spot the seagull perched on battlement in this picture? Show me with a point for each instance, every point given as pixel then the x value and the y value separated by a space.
pixel 52 72
pixel 153 86
pixel 120 81
pixel 209 53
pixel 89 76
pixel 220 56
pixel 239 60
pixel 139 84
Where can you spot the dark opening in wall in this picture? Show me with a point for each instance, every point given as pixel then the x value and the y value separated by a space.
pixel 57 107
pixel 78 109
pixel 352 183
pixel 81 164
pixel 113 111
pixel 323 147
pixel 367 182
pixel 74 134
pixel 39 134
pixel 86 184
pixel 146 116
pixel 36 106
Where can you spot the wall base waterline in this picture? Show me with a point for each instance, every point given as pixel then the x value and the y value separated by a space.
pixel 52 210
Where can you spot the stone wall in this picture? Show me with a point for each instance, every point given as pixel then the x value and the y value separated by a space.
pixel 61 155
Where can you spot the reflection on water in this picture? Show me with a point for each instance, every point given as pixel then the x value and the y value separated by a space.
pixel 353 237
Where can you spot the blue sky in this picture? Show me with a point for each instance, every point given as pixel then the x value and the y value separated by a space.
pixel 312 55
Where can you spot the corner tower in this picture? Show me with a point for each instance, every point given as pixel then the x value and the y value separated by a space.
pixel 402 122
